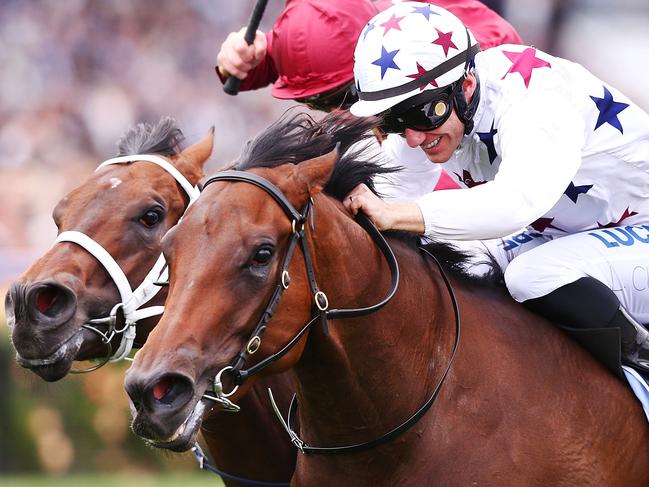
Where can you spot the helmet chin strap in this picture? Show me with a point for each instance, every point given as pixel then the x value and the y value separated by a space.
pixel 465 111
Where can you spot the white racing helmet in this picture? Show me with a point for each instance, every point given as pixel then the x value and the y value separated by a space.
pixel 410 48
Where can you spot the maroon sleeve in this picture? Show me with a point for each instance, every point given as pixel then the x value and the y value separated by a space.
pixel 262 75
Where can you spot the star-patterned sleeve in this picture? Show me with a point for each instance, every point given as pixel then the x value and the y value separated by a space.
pixel 540 140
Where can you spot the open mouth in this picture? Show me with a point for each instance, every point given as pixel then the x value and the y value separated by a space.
pixel 431 144
pixel 67 349
pixel 183 438
pixel 56 365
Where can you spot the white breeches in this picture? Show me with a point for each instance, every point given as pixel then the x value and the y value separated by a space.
pixel 502 250
pixel 618 257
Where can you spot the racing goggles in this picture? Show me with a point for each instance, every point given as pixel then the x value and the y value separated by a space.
pixel 423 112
pixel 340 97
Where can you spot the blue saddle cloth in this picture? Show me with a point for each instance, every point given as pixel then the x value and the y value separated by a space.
pixel 639 386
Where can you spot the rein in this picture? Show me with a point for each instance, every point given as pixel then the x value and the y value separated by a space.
pixel 132 301
pixel 403 427
pixel 204 464
pixel 321 312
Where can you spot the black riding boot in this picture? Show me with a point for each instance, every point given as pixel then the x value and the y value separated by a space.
pixel 588 304
pixel 635 339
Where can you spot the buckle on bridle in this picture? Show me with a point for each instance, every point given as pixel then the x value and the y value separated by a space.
pixel 295 439
pixel 286 279
pixel 253 345
pixel 110 321
pixel 294 225
pixel 321 301
pixel 219 396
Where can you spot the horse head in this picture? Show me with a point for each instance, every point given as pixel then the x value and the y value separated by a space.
pixel 123 209
pixel 235 264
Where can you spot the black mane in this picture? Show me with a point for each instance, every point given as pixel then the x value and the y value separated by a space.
pixel 298 137
pixel 456 262
pixel 163 138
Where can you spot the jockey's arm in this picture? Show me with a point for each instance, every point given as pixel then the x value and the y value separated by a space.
pixel 541 141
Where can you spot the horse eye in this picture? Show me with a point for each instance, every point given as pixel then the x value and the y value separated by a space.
pixel 151 218
pixel 262 256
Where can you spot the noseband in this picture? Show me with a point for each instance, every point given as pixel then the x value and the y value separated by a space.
pixel 131 300
pixel 320 311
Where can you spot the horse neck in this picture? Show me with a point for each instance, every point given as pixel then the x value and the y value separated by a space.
pixel 372 372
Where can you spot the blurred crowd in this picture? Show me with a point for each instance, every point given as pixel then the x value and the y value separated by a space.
pixel 77 74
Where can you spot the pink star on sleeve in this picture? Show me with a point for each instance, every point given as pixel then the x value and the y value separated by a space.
pixel 524 63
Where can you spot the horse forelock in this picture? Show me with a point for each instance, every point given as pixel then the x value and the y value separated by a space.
pixel 163 137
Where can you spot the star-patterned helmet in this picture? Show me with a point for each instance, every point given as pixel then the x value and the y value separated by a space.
pixel 407 49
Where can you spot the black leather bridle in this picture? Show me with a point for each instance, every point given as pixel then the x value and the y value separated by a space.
pixel 321 309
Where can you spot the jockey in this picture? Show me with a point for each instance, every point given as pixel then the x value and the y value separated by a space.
pixel 543 143
pixel 309 57
pixel 308 54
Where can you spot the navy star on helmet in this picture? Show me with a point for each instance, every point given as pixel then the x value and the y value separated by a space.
pixel 405 38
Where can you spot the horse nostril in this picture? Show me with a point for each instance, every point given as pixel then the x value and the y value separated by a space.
pixel 161 388
pixel 52 301
pixel 46 298
pixel 171 389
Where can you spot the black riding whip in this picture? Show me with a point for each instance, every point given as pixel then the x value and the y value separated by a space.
pixel 231 86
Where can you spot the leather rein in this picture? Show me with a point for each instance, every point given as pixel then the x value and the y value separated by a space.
pixel 321 312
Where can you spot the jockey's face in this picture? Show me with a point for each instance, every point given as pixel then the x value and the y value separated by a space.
pixel 438 144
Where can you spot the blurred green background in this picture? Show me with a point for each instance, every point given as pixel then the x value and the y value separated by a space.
pixel 81 425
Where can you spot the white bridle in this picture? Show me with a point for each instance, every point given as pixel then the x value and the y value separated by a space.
pixel 131 300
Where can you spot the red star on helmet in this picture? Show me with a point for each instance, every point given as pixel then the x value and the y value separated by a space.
pixel 420 72
pixel 543 224
pixel 444 40
pixel 625 215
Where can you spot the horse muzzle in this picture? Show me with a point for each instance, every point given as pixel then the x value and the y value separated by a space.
pixel 166 408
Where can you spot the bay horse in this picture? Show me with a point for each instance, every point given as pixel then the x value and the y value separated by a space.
pixel 126 207
pixel 519 404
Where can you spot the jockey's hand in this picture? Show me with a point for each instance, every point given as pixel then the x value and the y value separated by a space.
pixel 237 58
pixel 386 215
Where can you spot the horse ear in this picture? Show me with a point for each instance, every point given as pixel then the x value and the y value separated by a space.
pixel 192 160
pixel 317 171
